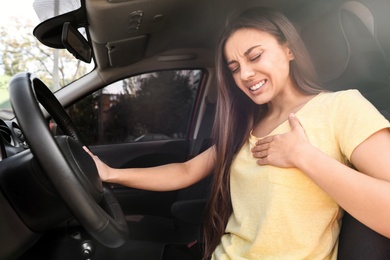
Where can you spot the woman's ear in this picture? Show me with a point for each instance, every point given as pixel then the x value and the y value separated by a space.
pixel 290 54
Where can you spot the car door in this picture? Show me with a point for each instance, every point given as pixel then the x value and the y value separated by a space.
pixel 142 121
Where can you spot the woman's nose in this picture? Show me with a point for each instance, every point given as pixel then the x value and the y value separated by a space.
pixel 246 72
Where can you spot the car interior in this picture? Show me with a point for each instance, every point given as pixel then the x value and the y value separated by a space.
pixel 53 204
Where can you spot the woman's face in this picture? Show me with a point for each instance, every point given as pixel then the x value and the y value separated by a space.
pixel 259 64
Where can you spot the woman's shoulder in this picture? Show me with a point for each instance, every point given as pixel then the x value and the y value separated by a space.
pixel 342 93
pixel 342 96
pixel 348 103
pixel 339 102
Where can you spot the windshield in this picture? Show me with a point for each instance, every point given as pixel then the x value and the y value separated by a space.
pixel 21 51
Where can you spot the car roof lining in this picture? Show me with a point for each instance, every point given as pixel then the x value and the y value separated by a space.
pixel 178 19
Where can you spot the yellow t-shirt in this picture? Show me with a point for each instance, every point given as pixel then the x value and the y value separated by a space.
pixel 280 213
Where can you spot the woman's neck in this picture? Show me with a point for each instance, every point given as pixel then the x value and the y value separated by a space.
pixel 278 111
pixel 290 100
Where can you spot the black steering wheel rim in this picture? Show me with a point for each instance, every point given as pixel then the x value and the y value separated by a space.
pixel 101 214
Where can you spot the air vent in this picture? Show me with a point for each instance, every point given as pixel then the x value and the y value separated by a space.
pixel 18 132
pixel 5 132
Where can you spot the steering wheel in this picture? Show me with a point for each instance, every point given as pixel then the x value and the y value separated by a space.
pixel 70 169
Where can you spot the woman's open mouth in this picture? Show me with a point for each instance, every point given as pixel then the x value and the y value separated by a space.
pixel 257 86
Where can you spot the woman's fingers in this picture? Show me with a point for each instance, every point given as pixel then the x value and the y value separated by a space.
pixel 88 151
pixel 278 150
pixel 294 121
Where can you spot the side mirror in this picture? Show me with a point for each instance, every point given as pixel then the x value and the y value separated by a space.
pixel 75 43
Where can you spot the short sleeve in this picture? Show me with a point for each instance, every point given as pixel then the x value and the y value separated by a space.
pixel 355 119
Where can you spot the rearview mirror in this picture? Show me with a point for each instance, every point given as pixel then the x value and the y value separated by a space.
pixel 75 43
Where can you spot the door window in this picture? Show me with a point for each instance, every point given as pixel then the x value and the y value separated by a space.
pixel 147 107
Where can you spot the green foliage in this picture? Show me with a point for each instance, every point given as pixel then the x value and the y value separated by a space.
pixel 166 102
pixel 85 115
pixel 21 51
pixel 4 95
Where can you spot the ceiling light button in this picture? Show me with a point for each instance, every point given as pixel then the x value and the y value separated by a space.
pixel 135 20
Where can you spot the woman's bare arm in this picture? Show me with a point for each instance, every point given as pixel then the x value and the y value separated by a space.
pixel 160 178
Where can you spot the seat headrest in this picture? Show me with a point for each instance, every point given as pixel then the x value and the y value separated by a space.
pixel 344 49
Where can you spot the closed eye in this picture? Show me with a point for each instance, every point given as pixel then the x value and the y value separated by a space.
pixel 234 67
pixel 255 57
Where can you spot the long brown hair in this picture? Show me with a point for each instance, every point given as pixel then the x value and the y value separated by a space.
pixel 236 113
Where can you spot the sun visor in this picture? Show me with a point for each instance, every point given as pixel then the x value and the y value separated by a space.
pixel 125 52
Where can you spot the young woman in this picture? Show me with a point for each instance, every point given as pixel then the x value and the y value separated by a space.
pixel 296 156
